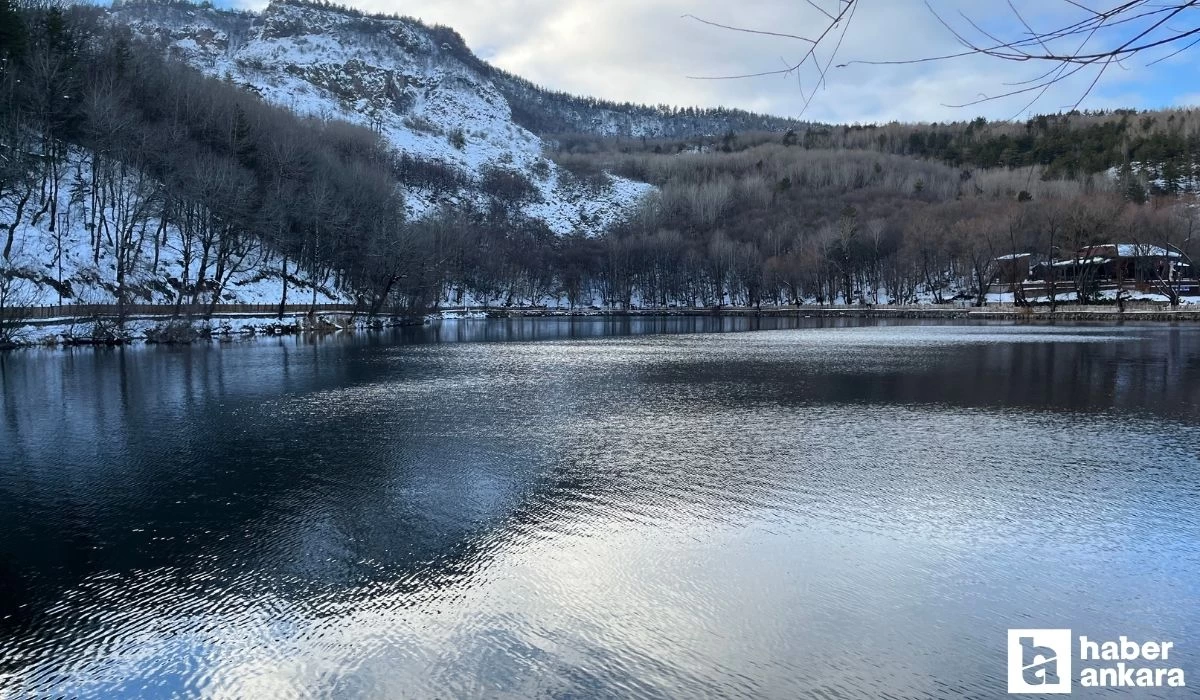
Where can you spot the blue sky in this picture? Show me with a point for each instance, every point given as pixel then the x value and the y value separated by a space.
pixel 645 51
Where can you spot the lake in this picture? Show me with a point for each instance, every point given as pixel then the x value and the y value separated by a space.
pixel 648 507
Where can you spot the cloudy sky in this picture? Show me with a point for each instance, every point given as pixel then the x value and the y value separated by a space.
pixel 645 51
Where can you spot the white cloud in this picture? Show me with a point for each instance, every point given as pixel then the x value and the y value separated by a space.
pixel 644 51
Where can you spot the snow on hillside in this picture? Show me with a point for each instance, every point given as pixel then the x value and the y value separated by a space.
pixel 391 75
pixel 1158 177
pixel 76 262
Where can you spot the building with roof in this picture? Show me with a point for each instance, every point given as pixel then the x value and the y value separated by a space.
pixel 1099 270
pixel 1134 263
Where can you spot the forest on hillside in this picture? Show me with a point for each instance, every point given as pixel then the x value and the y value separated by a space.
pixel 191 178
pixel 765 219
pixel 1159 149
pixel 134 145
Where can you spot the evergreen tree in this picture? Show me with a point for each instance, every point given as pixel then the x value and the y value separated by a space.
pixel 1131 186
pixel 12 35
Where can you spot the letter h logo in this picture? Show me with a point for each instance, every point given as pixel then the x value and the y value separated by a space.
pixel 1039 661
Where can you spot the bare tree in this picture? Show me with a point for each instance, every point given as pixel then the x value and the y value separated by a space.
pixel 1087 229
pixel 17 186
pixel 978 237
pixel 1158 260
pixel 1078 42
pixel 1053 223
pixel 17 295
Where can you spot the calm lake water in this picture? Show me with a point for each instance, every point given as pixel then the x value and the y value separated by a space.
pixel 595 508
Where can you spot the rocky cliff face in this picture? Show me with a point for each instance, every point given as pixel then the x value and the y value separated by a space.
pixel 418 86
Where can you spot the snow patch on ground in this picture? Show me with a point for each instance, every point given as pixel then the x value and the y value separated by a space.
pixel 1068 297
pixel 67 258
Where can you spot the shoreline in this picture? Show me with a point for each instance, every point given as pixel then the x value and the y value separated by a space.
pixel 146 329
pixel 985 313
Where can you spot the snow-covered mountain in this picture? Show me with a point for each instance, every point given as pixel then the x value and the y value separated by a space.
pixel 411 83
pixel 82 226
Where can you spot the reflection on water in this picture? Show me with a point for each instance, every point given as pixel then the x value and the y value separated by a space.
pixel 839 508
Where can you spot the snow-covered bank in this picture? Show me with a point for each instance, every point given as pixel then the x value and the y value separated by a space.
pixel 72 249
pixel 1109 295
pixel 93 221
pixel 68 332
pixel 73 331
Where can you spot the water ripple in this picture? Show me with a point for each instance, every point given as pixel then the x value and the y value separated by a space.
pixel 842 511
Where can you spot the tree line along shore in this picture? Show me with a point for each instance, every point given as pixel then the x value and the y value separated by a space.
pixel 131 178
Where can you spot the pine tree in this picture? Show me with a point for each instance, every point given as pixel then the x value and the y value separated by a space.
pixel 12 35
pixel 1131 186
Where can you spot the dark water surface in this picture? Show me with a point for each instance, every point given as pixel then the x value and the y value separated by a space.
pixel 595 508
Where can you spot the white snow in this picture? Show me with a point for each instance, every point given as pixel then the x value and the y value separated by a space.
pixel 1154 175
pixel 54 331
pixel 1066 296
pixel 67 255
pixel 1140 250
pixel 1095 260
pixel 390 75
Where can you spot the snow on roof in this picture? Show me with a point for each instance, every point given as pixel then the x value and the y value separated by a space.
pixel 1014 256
pixel 1141 250
pixel 1098 260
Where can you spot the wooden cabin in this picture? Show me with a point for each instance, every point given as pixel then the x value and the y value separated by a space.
pixel 1135 263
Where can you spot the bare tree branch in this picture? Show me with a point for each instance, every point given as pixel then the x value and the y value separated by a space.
pixel 748 31
pixel 846 12
pixel 1085 45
